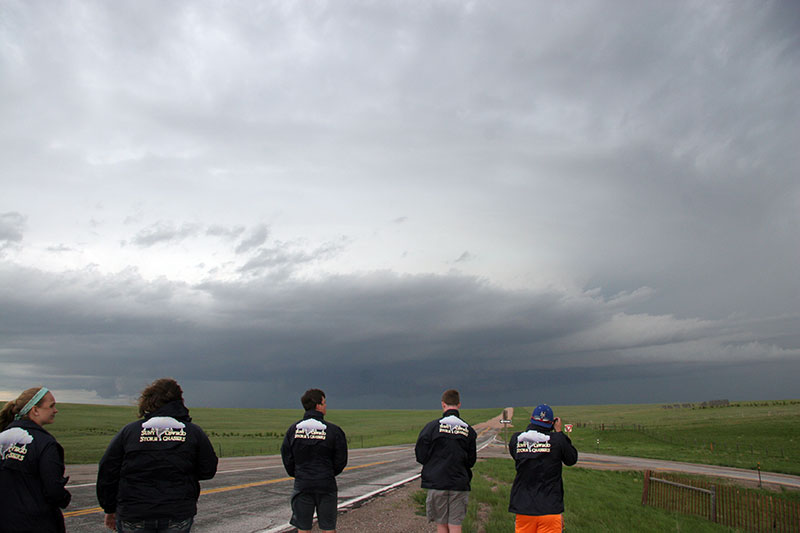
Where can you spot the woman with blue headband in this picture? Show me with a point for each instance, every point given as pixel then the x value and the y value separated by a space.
pixel 31 465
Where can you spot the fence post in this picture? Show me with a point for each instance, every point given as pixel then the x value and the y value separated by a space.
pixel 713 503
pixel 645 487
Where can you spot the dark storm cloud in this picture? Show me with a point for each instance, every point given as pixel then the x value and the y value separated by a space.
pixel 361 337
pixel 636 159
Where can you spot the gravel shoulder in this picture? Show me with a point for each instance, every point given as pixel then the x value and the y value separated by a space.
pixel 395 511
pixel 392 512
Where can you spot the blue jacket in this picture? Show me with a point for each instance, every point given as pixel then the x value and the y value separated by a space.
pixel 152 467
pixel 314 452
pixel 447 450
pixel 31 479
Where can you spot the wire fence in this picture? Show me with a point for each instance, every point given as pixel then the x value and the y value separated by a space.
pixel 724 504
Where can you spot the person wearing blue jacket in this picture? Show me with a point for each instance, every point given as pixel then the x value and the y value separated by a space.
pixel 148 478
pixel 32 481
pixel 447 450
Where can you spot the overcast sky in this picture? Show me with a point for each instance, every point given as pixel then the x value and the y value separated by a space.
pixel 562 202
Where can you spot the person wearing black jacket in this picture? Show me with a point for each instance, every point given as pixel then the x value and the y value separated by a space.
pixel 537 495
pixel 314 452
pixel 148 478
pixel 31 466
pixel 447 450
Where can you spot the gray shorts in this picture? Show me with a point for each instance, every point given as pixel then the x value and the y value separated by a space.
pixel 447 506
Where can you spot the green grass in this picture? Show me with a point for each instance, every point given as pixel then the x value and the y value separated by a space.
pixel 595 501
pixel 85 430
pixel 741 435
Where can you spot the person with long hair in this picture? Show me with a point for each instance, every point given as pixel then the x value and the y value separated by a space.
pixel 32 482
pixel 148 478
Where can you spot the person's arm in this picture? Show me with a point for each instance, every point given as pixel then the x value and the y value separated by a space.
pixel 51 473
pixel 422 450
pixel 512 446
pixel 340 453
pixel 569 455
pixel 472 448
pixel 108 472
pixel 206 460
pixel 286 453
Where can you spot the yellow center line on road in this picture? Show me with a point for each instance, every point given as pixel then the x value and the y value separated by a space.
pixel 92 510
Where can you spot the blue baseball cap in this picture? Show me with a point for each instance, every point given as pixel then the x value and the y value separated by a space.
pixel 543 416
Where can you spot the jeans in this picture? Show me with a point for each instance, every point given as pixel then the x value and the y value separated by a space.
pixel 160 525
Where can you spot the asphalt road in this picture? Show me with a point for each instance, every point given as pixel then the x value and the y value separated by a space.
pixel 591 460
pixel 251 494
pixel 614 462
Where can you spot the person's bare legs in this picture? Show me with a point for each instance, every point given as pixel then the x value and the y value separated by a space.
pixel 454 528
pixel 442 528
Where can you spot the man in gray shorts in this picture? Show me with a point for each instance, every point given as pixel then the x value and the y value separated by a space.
pixel 446 448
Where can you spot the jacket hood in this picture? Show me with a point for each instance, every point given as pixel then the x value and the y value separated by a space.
pixel 27 424
pixel 540 428
pixel 175 409
pixel 313 413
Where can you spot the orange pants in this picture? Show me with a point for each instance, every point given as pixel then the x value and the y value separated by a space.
pixel 549 523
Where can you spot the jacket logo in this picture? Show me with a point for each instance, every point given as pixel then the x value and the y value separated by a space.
pixel 452 425
pixel 310 429
pixel 14 444
pixel 163 429
pixel 533 442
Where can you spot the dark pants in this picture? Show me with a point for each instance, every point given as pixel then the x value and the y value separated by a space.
pixel 160 525
pixel 304 504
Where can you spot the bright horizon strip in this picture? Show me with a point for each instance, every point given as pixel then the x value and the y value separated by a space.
pixel 92 510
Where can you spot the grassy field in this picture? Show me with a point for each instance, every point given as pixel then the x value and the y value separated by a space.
pixel 86 430
pixel 594 501
pixel 741 435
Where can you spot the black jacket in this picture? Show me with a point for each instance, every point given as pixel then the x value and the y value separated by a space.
pixel 538 454
pixel 31 479
pixel 314 452
pixel 152 467
pixel 446 449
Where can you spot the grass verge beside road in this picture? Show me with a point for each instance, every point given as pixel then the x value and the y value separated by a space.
pixel 595 500
pixel 740 435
